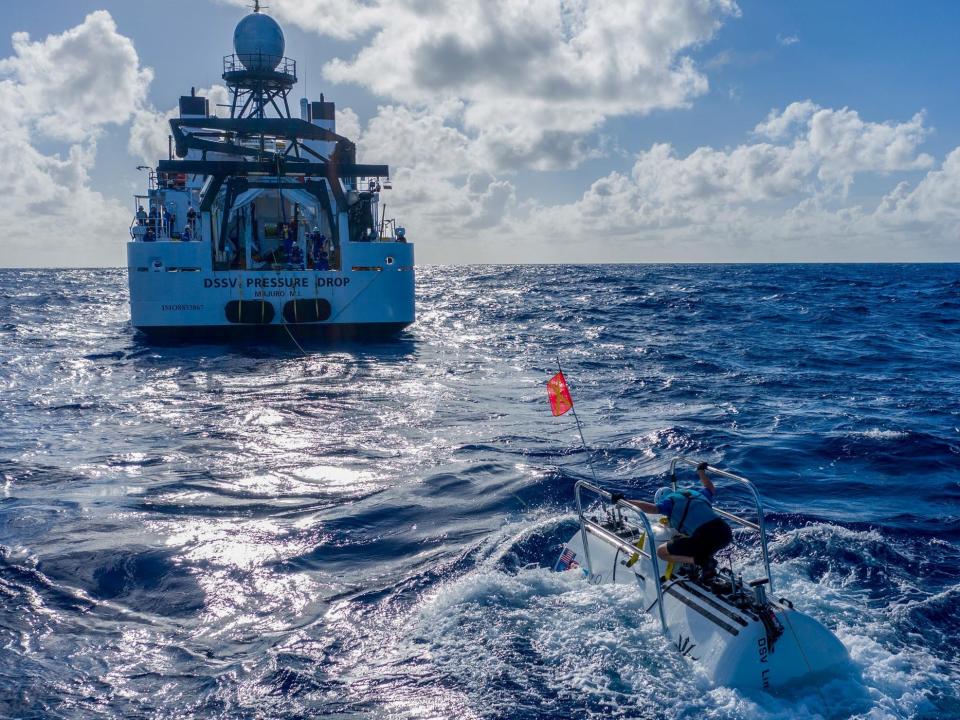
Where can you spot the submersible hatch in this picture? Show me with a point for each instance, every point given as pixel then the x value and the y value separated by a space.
pixel 739 633
pixel 261 224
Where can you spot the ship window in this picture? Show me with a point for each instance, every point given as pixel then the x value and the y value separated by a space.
pixel 376 268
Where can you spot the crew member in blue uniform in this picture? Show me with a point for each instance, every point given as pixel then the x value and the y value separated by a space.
pixel 171 219
pixel 286 234
pixel 701 533
pixel 296 258
pixel 322 262
pixel 321 259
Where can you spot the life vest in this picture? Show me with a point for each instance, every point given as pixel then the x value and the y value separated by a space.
pixel 690 510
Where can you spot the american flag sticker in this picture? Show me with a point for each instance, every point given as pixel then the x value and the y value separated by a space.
pixel 567 561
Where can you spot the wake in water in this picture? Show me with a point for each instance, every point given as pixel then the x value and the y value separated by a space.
pixel 508 640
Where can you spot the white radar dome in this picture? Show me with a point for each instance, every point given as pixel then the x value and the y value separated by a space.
pixel 258 42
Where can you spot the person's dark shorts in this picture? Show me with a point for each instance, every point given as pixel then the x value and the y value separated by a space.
pixel 705 541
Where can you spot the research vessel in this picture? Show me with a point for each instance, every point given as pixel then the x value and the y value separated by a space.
pixel 260 224
pixel 740 633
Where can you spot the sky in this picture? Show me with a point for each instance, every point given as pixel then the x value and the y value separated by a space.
pixel 542 131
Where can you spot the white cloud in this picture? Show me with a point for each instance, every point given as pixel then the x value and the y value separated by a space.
pixel 748 173
pixel 842 144
pixel 473 91
pixel 534 76
pixel 780 125
pixel 783 197
pixel 72 84
pixel 423 140
pixel 348 123
pixel 932 204
pixel 148 135
pixel 847 145
pixel 787 40
pixel 63 91
pixel 342 19
pixel 774 200
pixel 441 191
pixel 492 200
pixel 829 146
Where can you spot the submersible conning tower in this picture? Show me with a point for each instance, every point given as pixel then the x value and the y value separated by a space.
pixel 262 224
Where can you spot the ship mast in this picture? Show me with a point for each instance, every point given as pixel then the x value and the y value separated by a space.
pixel 258 74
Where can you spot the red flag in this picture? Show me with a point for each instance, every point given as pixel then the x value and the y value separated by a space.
pixel 559 394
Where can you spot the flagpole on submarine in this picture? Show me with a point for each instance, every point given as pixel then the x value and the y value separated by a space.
pixel 579 427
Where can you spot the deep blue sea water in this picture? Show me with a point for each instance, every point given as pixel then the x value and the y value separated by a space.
pixel 227 532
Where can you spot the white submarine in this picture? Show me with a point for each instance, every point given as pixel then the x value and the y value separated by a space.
pixel 741 634
pixel 262 225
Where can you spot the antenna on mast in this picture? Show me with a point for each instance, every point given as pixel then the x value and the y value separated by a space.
pixel 257 8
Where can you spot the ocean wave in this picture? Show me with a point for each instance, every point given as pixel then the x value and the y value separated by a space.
pixel 878 434
pixel 552 644
pixel 242 532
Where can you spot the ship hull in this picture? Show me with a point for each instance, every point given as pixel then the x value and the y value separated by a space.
pixel 304 333
pixel 173 298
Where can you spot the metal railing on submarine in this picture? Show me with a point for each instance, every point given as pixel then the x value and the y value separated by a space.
pixel 591 527
pixel 759 527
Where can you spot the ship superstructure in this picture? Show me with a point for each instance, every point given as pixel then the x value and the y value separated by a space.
pixel 263 224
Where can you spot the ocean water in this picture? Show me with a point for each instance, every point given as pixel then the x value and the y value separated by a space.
pixel 366 530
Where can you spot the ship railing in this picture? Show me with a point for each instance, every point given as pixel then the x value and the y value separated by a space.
pixel 162 231
pixel 591 527
pixel 758 527
pixel 259 62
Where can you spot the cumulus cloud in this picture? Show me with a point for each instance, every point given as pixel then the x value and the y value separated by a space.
pixel 779 196
pixel 472 92
pixel 348 123
pixel 748 173
pixel 440 186
pixel 424 140
pixel 534 77
pixel 843 144
pixel 341 19
pixel 63 91
pixel 816 144
pixel 71 85
pixel 782 196
pixel 782 124
pixel 148 134
pixel 931 205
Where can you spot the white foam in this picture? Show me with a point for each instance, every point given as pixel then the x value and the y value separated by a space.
pixel 878 434
pixel 498 645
